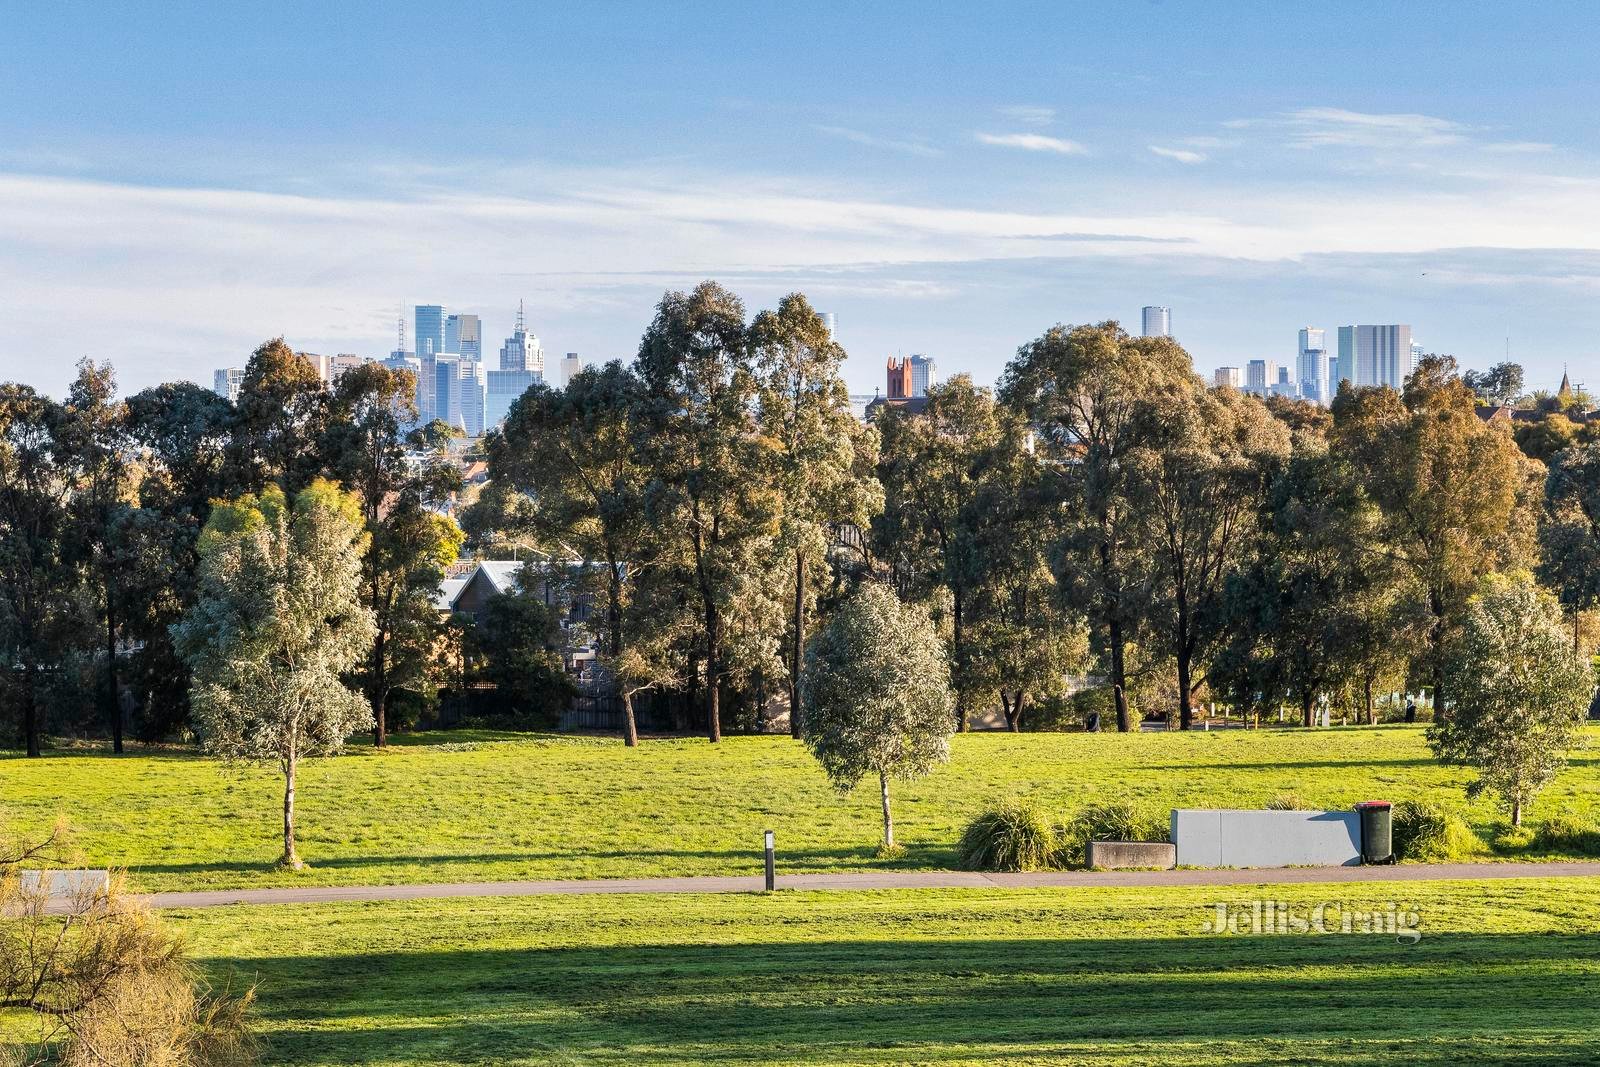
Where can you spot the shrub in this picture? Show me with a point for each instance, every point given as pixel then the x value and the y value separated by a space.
pixel 1119 819
pixel 1288 802
pixel 1509 838
pixel 1563 833
pixel 1014 835
pixel 1425 832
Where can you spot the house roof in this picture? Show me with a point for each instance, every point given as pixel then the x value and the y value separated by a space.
pixel 449 591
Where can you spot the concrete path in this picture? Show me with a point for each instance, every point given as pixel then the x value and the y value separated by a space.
pixel 875 880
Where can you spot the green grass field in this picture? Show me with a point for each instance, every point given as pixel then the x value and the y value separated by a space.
pixel 460 806
pixel 1505 972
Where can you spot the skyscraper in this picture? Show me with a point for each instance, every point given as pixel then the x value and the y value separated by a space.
pixel 1157 321
pixel 505 387
pixel 521 350
pixel 226 383
pixel 923 375
pixel 1313 365
pixel 570 366
pixel 830 322
pixel 1226 376
pixel 471 396
pixel 1260 375
pixel 429 341
pixel 1376 355
pixel 463 335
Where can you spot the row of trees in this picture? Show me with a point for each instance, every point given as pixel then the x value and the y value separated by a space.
pixel 102 504
pixel 1103 512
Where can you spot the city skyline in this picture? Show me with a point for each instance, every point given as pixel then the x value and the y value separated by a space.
pixel 177 214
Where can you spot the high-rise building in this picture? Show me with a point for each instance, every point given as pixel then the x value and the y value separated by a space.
pixel 471 396
pixel 505 387
pixel 463 335
pixel 570 366
pixel 1260 375
pixel 830 323
pixel 428 339
pixel 399 360
pixel 226 382
pixel 445 403
pixel 923 375
pixel 1313 365
pixel 521 350
pixel 1376 355
pixel 1157 321
pixel 1226 376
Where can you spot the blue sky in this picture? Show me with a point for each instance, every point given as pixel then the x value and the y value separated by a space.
pixel 178 182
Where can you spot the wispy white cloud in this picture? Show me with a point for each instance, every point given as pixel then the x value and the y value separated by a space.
pixel 916 148
pixel 1182 155
pixel 1034 142
pixel 1029 114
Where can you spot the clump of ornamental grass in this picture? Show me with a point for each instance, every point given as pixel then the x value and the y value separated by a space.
pixel 1427 832
pixel 1014 835
pixel 1117 819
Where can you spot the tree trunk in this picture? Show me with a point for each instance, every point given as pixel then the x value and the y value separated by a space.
pixel 291 858
pixel 1516 812
pixel 1119 677
pixel 961 710
pixel 630 729
pixel 713 676
pixel 1306 699
pixel 113 704
pixel 1372 709
pixel 379 696
pixel 799 641
pixel 1437 640
pixel 30 713
pixel 1016 720
pixel 888 820
pixel 1185 712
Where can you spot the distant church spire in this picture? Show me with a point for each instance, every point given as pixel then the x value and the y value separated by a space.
pixel 1566 385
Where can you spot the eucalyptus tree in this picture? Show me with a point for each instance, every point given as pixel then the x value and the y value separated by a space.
pixel 579 460
pixel 1569 530
pixel 280 420
pixel 181 436
pixel 1094 396
pixel 409 542
pixel 931 465
pixel 710 495
pixel 278 623
pixel 1199 491
pixel 821 453
pixel 95 457
pixel 36 615
pixel 1458 497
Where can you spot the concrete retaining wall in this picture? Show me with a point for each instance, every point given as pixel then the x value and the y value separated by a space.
pixel 1108 855
pixel 1222 838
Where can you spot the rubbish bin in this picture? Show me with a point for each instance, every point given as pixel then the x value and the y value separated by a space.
pixel 1377 831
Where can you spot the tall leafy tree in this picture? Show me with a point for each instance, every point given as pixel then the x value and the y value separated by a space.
pixel 1095 395
pixel 181 435
pixel 281 418
pixel 278 623
pixel 409 544
pixel 819 449
pixel 931 466
pixel 579 458
pixel 1519 691
pixel 96 460
pixel 35 540
pixel 1458 497
pixel 708 494
pixel 1569 530
pixel 1199 491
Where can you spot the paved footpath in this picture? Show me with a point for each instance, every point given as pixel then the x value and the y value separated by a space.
pixel 875 880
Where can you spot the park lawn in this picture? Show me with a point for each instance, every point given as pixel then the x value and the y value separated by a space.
pixel 501 806
pixel 1505 971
